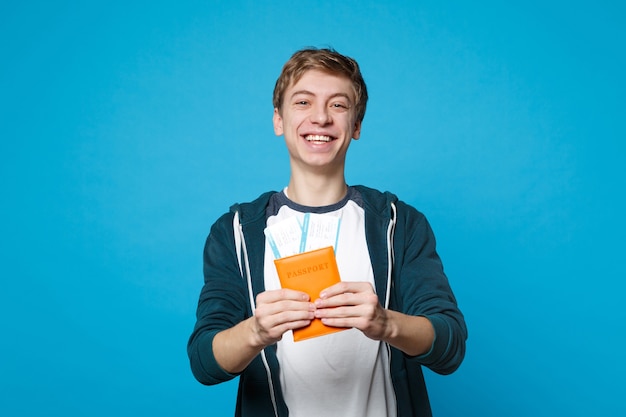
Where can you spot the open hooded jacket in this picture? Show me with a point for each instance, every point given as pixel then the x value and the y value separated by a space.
pixel 408 275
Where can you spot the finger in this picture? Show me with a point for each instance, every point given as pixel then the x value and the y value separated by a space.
pixel 292 325
pixel 352 317
pixel 281 294
pixel 341 322
pixel 285 319
pixel 363 310
pixel 346 287
pixel 348 299
pixel 273 333
pixel 276 324
pixel 283 307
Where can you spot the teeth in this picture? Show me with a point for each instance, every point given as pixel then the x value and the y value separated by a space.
pixel 317 138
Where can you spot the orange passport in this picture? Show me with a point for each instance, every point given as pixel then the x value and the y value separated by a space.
pixel 310 272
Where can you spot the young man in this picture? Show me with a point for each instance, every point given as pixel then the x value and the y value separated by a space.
pixel 393 299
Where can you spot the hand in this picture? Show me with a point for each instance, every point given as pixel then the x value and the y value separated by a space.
pixel 278 311
pixel 353 304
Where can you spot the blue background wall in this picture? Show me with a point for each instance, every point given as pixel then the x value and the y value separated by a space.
pixel 127 129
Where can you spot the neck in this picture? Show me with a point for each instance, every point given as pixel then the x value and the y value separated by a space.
pixel 316 191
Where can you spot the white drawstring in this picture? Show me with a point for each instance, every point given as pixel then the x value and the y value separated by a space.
pixel 240 247
pixel 390 254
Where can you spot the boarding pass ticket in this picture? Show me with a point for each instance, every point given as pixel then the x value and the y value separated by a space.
pixel 296 235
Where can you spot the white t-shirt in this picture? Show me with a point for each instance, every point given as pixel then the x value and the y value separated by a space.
pixel 344 373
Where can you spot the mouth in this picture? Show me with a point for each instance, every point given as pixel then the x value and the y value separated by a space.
pixel 318 138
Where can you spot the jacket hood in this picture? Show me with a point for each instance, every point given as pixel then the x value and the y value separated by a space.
pixel 252 211
pixel 377 202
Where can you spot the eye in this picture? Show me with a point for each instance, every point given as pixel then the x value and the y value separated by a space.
pixel 339 106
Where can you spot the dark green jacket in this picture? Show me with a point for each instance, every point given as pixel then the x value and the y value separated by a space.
pixel 415 284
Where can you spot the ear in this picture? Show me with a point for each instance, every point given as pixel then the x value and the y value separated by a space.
pixel 278 123
pixel 357 131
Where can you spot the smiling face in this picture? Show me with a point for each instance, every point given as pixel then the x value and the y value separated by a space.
pixel 318 120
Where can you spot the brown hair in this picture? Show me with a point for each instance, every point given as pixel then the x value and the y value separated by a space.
pixel 327 60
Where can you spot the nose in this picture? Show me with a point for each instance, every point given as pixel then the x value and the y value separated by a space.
pixel 320 114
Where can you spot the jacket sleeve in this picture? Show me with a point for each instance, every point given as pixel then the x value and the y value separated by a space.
pixel 424 290
pixel 222 304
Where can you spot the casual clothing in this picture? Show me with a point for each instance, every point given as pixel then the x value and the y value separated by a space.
pixel 341 374
pixel 408 277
